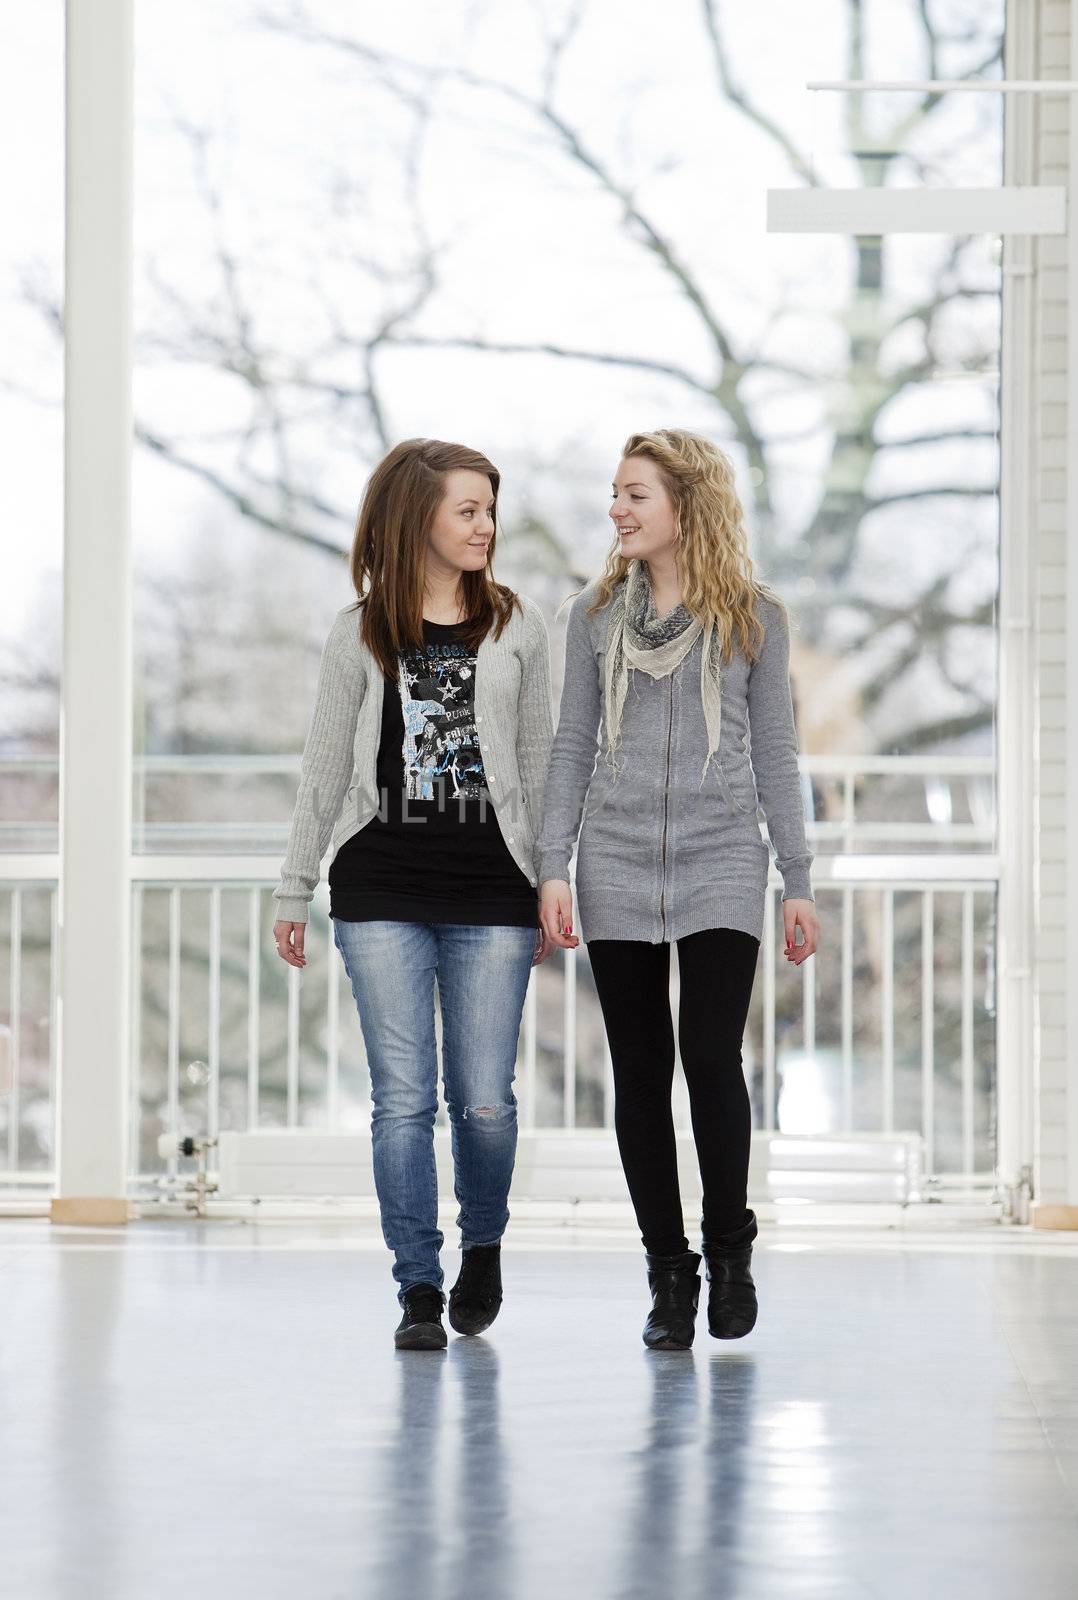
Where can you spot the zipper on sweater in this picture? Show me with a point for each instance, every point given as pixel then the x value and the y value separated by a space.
pixel 666 801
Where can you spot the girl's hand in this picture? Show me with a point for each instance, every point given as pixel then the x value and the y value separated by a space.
pixel 288 937
pixel 800 914
pixel 543 947
pixel 556 913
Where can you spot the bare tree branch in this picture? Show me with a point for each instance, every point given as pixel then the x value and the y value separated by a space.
pixel 939 492
pixel 636 221
pixel 243 503
pixel 738 97
pixel 563 352
pixel 829 544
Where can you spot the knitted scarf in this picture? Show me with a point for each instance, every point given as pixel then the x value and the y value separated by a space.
pixel 639 639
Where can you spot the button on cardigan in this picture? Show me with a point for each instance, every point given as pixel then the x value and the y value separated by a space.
pixel 338 787
pixel 661 852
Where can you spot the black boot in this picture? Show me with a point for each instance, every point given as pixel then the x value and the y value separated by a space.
pixel 420 1328
pixel 476 1297
pixel 675 1295
pixel 731 1300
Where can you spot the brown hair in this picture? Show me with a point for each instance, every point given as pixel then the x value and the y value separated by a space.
pixel 716 569
pixel 389 550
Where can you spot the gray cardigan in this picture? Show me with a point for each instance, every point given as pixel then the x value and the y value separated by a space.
pixel 338 786
pixel 662 854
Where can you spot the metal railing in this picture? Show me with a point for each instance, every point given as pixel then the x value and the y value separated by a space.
pixel 890 1026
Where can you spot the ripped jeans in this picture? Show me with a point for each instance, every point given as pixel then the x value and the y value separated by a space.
pixel 482 976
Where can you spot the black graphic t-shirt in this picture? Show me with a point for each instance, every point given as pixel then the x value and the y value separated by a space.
pixel 434 850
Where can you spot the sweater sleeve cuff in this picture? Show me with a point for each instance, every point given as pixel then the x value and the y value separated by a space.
pixel 554 864
pixel 291 908
pixel 797 884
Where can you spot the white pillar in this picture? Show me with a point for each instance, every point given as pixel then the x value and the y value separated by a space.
pixel 1068 1217
pixel 95 722
pixel 1016 934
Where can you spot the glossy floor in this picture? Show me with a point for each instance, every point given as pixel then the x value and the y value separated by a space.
pixel 217 1410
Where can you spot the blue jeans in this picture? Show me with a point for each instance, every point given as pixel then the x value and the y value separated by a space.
pixel 482 975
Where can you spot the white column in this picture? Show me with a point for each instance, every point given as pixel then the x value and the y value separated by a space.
pixel 95 723
pixel 1017 684
pixel 1070 1217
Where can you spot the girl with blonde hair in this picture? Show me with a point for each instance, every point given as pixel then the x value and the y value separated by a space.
pixel 675 656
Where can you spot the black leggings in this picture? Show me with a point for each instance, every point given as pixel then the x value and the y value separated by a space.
pixel 717 968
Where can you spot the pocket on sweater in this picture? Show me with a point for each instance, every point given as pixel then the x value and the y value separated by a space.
pixel 740 787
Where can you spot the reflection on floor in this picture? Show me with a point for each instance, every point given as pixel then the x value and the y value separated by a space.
pixel 217 1410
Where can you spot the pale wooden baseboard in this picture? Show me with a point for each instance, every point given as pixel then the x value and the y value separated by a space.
pixel 96 1210
pixel 1042 1214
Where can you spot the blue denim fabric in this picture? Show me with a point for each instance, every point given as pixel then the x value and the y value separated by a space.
pixel 482 975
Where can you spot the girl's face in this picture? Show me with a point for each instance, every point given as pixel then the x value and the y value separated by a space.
pixel 642 509
pixel 463 525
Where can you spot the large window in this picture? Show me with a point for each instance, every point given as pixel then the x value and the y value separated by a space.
pixel 536 234
pixel 31 532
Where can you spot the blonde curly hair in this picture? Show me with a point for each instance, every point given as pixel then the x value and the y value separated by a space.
pixel 716 569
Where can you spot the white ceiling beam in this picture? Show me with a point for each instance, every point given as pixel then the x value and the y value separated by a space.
pixel 1035 209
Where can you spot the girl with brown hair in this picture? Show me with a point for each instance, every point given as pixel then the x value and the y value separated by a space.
pixel 424 764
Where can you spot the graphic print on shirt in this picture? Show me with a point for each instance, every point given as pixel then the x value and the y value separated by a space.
pixel 437 689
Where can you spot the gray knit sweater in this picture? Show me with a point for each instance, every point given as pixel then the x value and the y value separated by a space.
pixel 338 787
pixel 662 854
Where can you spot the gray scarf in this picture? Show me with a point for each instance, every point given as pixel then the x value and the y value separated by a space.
pixel 639 639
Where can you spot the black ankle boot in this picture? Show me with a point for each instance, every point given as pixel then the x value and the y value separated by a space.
pixel 731 1300
pixel 476 1297
pixel 420 1328
pixel 675 1295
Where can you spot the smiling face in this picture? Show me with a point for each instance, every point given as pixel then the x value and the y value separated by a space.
pixel 463 525
pixel 642 509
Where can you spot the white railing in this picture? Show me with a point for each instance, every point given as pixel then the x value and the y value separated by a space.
pixel 955 795
pixel 890 1027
